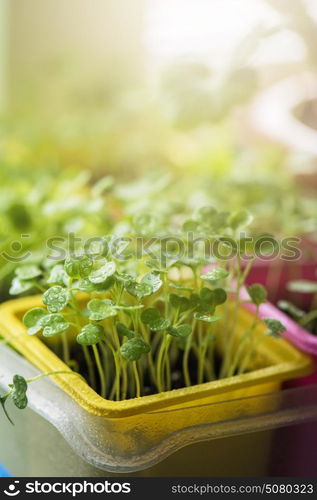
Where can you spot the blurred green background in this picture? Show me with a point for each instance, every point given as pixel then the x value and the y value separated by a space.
pixel 179 104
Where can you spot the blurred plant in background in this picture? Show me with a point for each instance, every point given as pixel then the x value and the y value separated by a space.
pixel 175 136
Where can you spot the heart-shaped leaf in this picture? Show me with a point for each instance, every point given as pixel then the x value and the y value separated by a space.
pixel 275 327
pixel 103 273
pixel 33 320
pixel 28 272
pixel 220 296
pixel 206 295
pixel 138 290
pixel 241 218
pixel 78 266
pixel 206 318
pixel 101 309
pixel 124 331
pixel 133 349
pixel 215 274
pixel 85 285
pixel 56 298
pixel 90 334
pixel 20 286
pixel 54 324
pixel 181 331
pixel 154 320
pixel 179 302
pixel 58 276
pixel 257 294
pixel 153 279
pixel 19 388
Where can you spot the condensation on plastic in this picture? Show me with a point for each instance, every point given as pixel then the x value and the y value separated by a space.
pixel 102 445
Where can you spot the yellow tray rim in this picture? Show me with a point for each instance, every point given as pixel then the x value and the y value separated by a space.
pixel 35 351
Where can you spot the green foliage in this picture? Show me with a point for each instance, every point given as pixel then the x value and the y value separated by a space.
pixel 257 294
pixel 90 334
pixel 25 273
pixel 275 327
pixel 56 298
pixel 215 274
pixel 134 348
pixel 101 309
pixel 54 324
pixel 33 320
pixel 135 327
pixel 19 388
pixel 103 273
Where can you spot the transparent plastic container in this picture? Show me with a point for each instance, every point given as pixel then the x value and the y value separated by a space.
pixel 136 435
pixel 56 437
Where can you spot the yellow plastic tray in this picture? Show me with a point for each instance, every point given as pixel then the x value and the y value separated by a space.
pixel 276 361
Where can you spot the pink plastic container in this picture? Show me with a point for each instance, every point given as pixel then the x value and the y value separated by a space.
pixel 275 274
pixel 298 457
pixel 297 335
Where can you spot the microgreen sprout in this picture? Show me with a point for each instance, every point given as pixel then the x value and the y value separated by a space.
pixel 149 325
pixel 18 390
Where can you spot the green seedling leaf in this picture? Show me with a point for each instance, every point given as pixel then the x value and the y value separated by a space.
pixel 275 327
pixel 194 301
pixel 149 315
pixel 101 309
pixel 19 216
pixel 133 349
pixel 179 302
pixel 79 266
pixel 181 331
pixel 154 320
pixel 240 219
pixel 28 272
pixel 215 274
pixel 124 331
pixel 20 286
pixel 33 320
pixel 215 222
pixel 90 335
pixel 206 318
pixel 291 309
pixel 190 225
pixel 54 324
pixel 123 277
pixel 257 294
pixel 85 285
pixel 58 276
pixel 153 279
pixel 56 298
pixel 207 212
pixel 220 296
pixel 302 286
pixel 103 273
pixel 206 295
pixel 138 290
pixel 19 388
